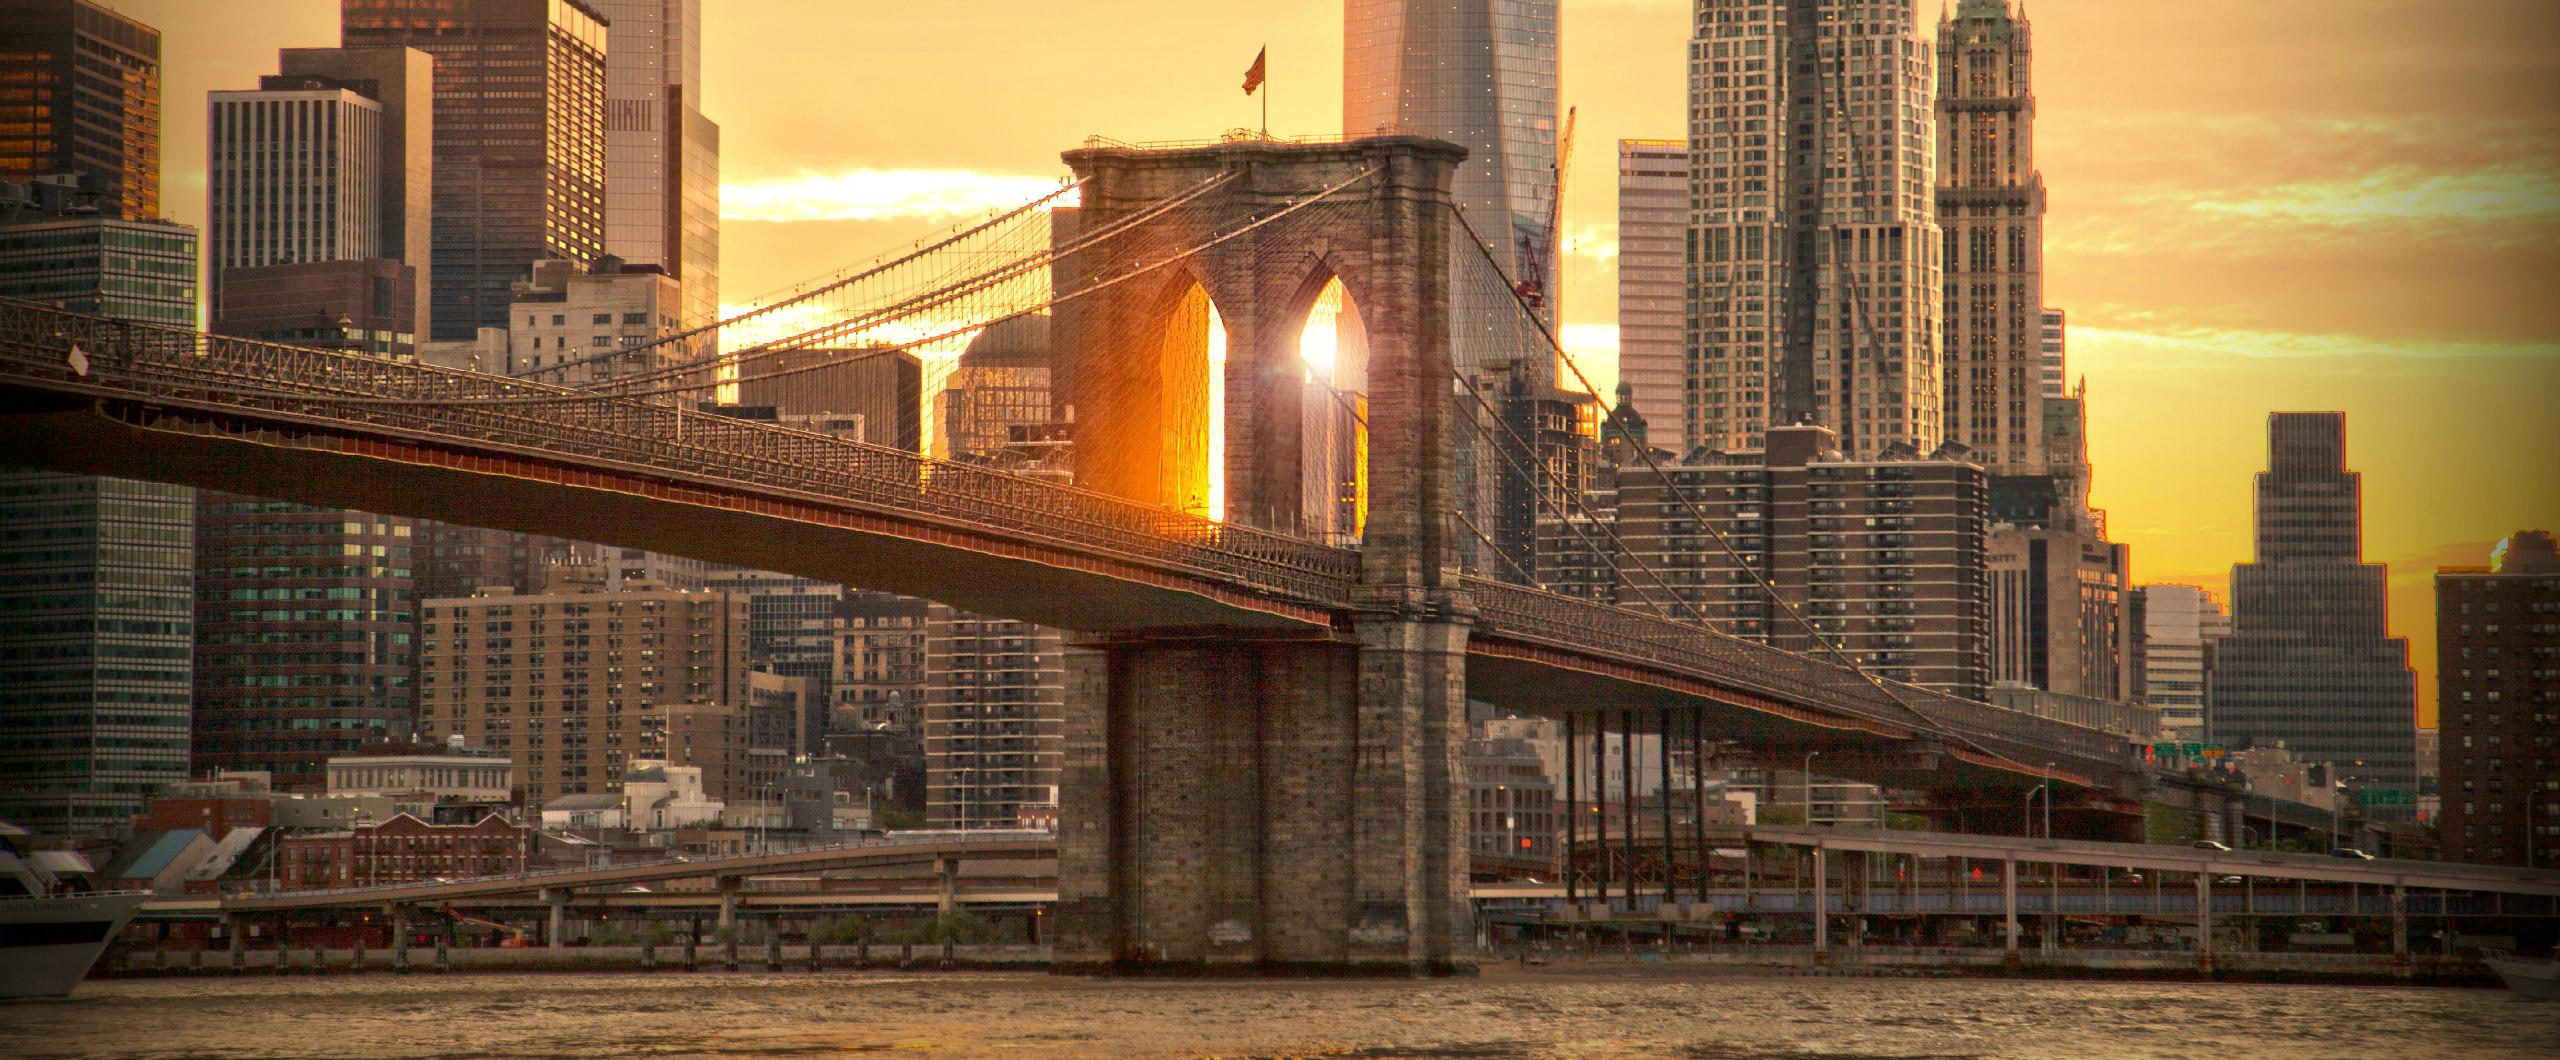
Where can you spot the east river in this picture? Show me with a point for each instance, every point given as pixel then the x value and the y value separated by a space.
pixel 1507 1013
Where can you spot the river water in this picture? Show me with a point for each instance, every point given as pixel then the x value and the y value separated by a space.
pixel 1507 1013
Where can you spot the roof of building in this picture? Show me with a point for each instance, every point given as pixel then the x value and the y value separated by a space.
pixel 150 853
pixel 584 802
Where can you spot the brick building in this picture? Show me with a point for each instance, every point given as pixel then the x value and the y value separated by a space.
pixel 2498 705
pixel 401 850
pixel 575 682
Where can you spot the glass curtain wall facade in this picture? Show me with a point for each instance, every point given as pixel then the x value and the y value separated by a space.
pixel 519 140
pixel 662 157
pixel 1653 225
pixel 1814 276
pixel 80 94
pixel 97 609
pixel 304 620
pixel 2310 660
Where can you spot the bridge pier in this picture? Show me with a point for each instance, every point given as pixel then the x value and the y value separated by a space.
pixel 1285 804
pixel 400 939
pixel 555 933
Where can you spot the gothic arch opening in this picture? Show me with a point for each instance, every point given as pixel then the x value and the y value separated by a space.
pixel 1333 353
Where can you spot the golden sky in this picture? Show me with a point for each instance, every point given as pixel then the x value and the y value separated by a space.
pixel 2256 204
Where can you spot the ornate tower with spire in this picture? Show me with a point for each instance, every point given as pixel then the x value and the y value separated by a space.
pixel 1991 211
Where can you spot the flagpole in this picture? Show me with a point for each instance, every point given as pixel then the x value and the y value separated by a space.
pixel 1266 96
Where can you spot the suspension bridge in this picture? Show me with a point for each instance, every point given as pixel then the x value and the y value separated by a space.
pixel 1274 576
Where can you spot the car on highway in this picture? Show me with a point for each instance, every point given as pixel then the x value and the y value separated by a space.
pixel 2216 847
pixel 2350 853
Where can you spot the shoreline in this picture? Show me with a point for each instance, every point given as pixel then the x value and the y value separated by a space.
pixel 2180 968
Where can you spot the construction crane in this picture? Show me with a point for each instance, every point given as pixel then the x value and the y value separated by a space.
pixel 1538 261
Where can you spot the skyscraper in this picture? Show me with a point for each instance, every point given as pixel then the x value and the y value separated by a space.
pixel 1991 209
pixel 96 574
pixel 323 173
pixel 2182 625
pixel 1814 286
pixel 1653 225
pixel 662 157
pixel 2310 660
pixel 519 140
pixel 2498 704
pixel 304 618
pixel 1481 74
pixel 80 93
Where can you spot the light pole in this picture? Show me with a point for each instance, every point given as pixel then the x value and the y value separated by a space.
pixel 2048 800
pixel 1808 787
pixel 2027 812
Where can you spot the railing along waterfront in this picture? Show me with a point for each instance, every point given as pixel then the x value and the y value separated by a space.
pixel 359 393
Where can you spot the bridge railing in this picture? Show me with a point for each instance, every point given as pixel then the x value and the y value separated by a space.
pixel 1794 677
pixel 355 390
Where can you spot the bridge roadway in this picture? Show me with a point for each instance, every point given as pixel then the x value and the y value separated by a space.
pixel 91 395
pixel 945 856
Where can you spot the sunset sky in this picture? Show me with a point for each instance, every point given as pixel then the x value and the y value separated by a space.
pixel 2256 205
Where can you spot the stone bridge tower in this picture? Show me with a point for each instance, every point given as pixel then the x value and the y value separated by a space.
pixel 1235 800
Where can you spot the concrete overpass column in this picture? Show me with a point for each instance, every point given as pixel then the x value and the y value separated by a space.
pixel 2399 921
pixel 2009 903
pixel 728 902
pixel 555 933
pixel 1821 903
pixel 400 938
pixel 235 928
pixel 947 872
pixel 2204 919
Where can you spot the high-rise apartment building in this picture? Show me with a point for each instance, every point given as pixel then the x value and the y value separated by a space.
pixel 662 157
pixel 304 622
pixel 1814 288
pixel 2182 624
pixel 80 94
pixel 102 264
pixel 994 719
pixel 1885 557
pixel 1653 226
pixel 1991 210
pixel 519 143
pixel 2498 705
pixel 879 677
pixel 574 682
pixel 2310 659
pixel 584 315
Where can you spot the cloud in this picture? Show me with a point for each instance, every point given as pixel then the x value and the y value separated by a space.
pixel 2240 342
pixel 1597 243
pixel 2404 194
pixel 882 195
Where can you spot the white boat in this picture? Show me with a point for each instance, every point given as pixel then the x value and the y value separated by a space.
pixel 2536 979
pixel 48 941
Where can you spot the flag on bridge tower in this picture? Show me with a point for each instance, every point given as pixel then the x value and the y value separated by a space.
pixel 1253 74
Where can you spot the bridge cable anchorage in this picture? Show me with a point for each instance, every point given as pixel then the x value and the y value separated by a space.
pixel 554 395
pixel 1928 723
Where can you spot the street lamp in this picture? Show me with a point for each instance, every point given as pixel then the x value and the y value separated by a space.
pixel 1808 787
pixel 2048 800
